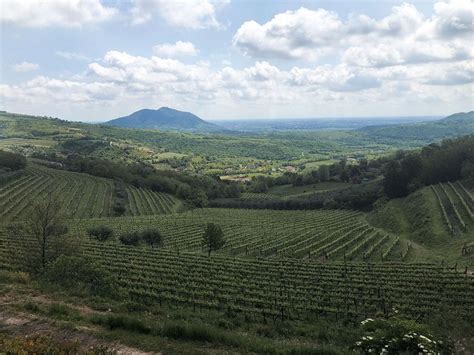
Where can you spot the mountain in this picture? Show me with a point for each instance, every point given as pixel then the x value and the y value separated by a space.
pixel 454 125
pixel 166 119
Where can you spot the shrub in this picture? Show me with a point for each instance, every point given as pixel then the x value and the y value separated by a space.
pixel 81 275
pixel 12 161
pixel 152 237
pixel 397 335
pixel 122 322
pixel 131 238
pixel 119 209
pixel 101 233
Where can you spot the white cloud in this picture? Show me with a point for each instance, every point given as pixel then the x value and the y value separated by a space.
pixel 67 13
pixel 454 18
pixel 404 62
pixel 292 34
pixel 71 55
pixel 404 36
pixel 24 67
pixel 178 49
pixel 193 14
pixel 121 77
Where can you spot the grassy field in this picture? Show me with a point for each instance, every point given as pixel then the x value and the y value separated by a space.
pixel 419 220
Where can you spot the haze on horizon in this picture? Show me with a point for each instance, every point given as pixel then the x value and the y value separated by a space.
pixel 93 60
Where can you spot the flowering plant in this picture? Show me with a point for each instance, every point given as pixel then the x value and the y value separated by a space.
pixel 397 335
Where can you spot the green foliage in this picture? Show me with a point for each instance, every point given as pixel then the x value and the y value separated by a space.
pixel 12 161
pixel 128 323
pixel 399 336
pixel 213 238
pixel 101 233
pixel 132 238
pixel 81 275
pixel 435 163
pixel 152 237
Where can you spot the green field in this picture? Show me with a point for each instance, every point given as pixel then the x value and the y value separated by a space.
pixel 82 195
pixel 284 276
pixel 315 235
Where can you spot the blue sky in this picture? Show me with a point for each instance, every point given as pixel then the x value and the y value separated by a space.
pixel 94 60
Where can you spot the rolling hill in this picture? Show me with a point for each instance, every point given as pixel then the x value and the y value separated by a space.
pixel 452 126
pixel 164 118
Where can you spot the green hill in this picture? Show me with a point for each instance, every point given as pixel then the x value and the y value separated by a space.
pixel 82 195
pixel 164 119
pixel 452 126
pixel 433 234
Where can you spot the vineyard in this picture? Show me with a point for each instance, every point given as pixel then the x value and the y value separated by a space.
pixel 147 202
pixel 456 204
pixel 82 196
pixel 326 234
pixel 280 288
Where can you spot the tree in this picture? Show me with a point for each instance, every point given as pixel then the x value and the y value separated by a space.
pixel 213 238
pixel 46 224
pixel 395 182
pixel 323 173
pixel 12 161
pixel 152 237
pixel 132 238
pixel 101 233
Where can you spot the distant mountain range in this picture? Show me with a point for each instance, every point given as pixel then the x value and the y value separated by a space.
pixel 166 119
pixel 423 128
pixel 454 125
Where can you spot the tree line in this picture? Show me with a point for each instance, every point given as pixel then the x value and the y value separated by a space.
pixel 197 190
pixel 450 160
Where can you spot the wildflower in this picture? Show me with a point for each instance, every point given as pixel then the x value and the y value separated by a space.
pixel 425 338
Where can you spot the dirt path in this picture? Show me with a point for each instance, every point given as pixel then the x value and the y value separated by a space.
pixel 24 324
pixel 20 324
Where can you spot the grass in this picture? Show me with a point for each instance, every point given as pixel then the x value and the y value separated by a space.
pixel 417 219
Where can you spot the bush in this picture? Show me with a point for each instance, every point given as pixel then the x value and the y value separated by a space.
pixel 131 238
pixel 152 237
pixel 101 233
pixel 122 322
pixel 12 161
pixel 81 275
pixel 397 335
pixel 119 209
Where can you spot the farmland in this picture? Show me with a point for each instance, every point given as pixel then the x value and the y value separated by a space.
pixel 306 251
pixel 311 235
pixel 281 288
pixel 83 196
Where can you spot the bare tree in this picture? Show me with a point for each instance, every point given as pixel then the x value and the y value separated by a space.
pixel 45 227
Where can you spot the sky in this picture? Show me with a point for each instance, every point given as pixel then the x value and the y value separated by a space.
pixel 94 60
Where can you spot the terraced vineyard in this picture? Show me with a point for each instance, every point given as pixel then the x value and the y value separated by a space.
pixel 83 196
pixel 147 202
pixel 456 206
pixel 283 288
pixel 326 234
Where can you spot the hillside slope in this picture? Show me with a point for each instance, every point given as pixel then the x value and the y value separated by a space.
pixel 452 126
pixel 164 119
pixel 419 220
pixel 81 195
